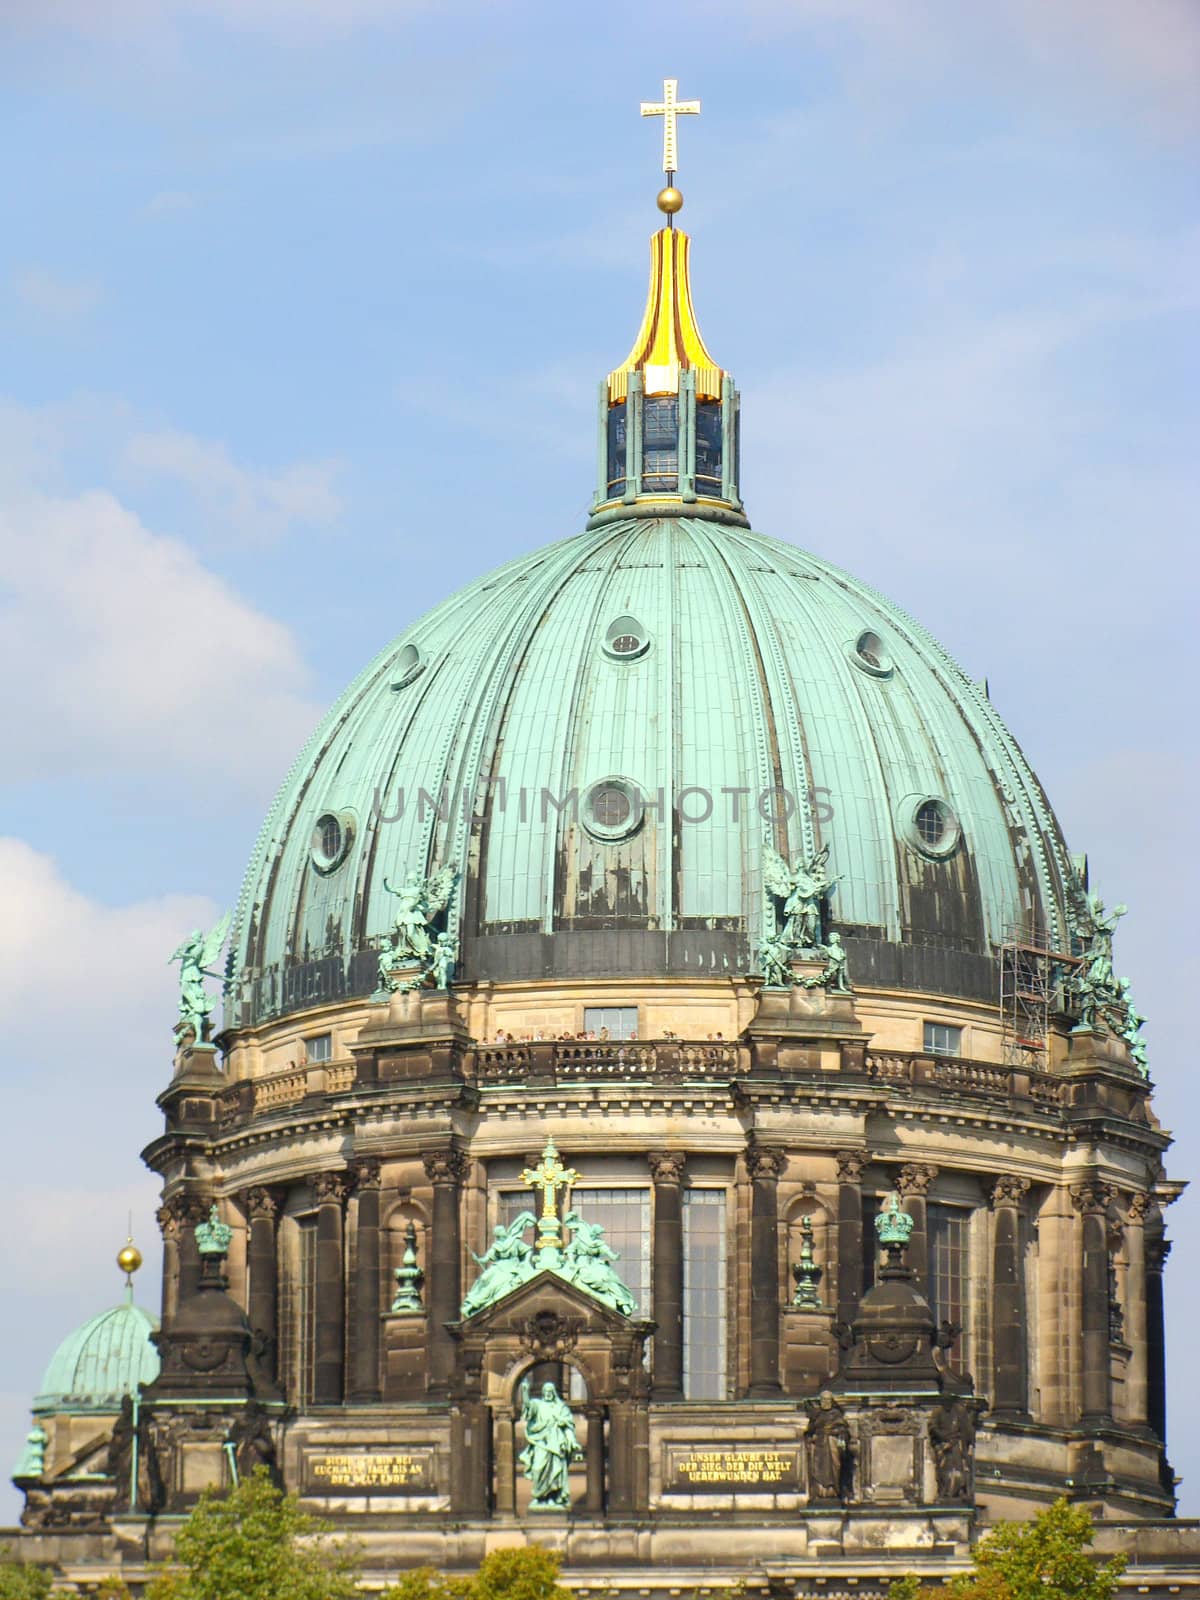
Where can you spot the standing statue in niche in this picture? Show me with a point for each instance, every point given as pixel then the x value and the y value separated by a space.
pixel 800 893
pixel 506 1263
pixel 952 1438
pixel 551 1444
pixel 828 1448
pixel 414 938
pixel 195 957
pixel 253 1442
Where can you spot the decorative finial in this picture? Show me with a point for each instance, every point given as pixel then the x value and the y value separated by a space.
pixel 669 108
pixel 129 1259
pixel 213 1237
pixel 549 1177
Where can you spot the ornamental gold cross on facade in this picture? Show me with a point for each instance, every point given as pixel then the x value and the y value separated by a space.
pixel 669 108
pixel 550 1176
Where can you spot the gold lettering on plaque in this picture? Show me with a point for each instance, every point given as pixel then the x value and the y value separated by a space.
pixel 368 1471
pixel 765 1467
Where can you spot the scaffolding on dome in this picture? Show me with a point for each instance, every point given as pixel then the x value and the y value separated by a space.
pixel 1031 975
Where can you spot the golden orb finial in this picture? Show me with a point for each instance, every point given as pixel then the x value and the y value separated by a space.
pixel 129 1259
pixel 670 200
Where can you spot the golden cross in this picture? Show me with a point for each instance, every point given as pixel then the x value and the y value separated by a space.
pixel 549 1176
pixel 668 108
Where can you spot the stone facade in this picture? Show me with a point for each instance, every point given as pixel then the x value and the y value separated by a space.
pixel 404 1425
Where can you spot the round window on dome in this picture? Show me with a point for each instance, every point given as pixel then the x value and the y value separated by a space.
pixel 332 836
pixel 410 664
pixel 869 654
pixel 934 828
pixel 625 639
pixel 612 809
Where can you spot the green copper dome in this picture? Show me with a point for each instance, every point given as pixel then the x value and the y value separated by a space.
pixel 765 698
pixel 100 1362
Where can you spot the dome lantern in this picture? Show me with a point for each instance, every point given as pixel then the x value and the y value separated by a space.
pixel 669 412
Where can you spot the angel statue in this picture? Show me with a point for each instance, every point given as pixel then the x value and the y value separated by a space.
pixel 802 891
pixel 588 1262
pixel 412 939
pixel 506 1263
pixel 1094 984
pixel 195 957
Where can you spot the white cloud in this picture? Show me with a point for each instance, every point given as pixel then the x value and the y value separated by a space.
pixel 169 203
pixel 121 652
pixel 253 504
pixel 50 932
pixel 54 299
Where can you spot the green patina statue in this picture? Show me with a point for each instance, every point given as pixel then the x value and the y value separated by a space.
pixel 588 1262
pixel 505 1265
pixel 551 1444
pixel 195 957
pixel 835 977
pixel 775 960
pixel 801 893
pixel 585 1259
pixel 413 936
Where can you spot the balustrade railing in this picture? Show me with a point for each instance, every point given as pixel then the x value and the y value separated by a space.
pixel 566 1061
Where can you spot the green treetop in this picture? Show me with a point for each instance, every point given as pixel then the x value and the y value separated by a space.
pixel 1049 1558
pixel 254 1543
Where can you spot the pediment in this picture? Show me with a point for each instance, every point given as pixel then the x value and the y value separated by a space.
pixel 546 1294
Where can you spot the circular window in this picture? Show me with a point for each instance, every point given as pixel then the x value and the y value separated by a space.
pixel 332 836
pixel 409 665
pixel 869 653
pixel 626 638
pixel 612 809
pixel 934 828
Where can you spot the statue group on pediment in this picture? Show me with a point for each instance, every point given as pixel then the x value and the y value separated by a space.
pixel 797 930
pixel 419 951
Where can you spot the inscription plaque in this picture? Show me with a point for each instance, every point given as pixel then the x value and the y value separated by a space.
pixel 736 1470
pixel 370 1472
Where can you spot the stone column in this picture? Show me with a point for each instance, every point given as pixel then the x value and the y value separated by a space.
pixel 1010 1359
pixel 765 1167
pixel 1157 1250
pixel 365 1386
pixel 1138 1371
pixel 667 1265
pixel 178 1218
pixel 850 1242
pixel 594 1457
pixel 1091 1200
pixel 445 1170
pixel 262 1299
pixel 330 1356
pixel 913 1182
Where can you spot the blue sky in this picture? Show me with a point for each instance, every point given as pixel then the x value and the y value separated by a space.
pixel 303 306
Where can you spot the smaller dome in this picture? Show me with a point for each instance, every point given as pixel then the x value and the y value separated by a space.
pixel 105 1359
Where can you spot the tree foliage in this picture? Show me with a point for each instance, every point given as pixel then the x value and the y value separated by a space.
pixel 255 1543
pixel 1049 1558
pixel 19 1581
pixel 525 1574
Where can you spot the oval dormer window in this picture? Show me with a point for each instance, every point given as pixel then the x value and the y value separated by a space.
pixel 870 654
pixel 612 809
pixel 933 827
pixel 410 664
pixel 332 836
pixel 625 639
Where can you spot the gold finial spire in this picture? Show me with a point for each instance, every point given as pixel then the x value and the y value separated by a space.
pixel 669 108
pixel 129 1259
